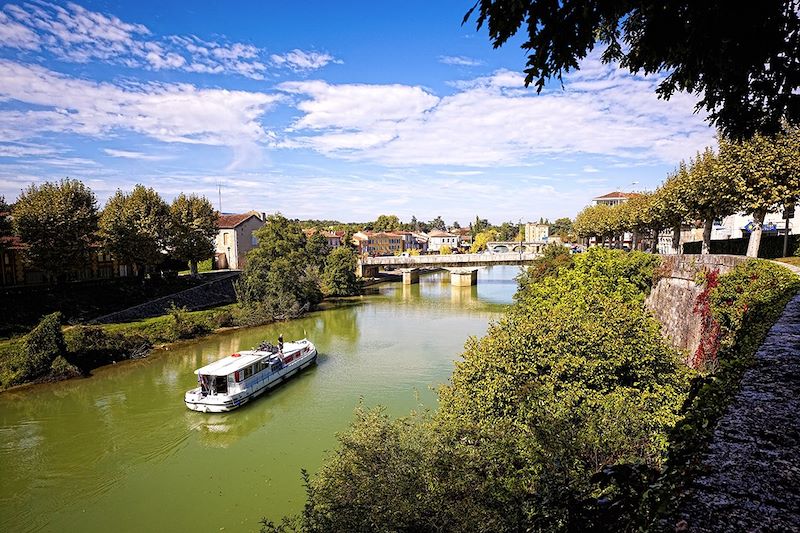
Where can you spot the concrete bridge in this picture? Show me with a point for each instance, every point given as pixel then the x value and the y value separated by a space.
pixel 463 267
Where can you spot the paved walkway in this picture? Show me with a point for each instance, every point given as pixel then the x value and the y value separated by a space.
pixel 752 480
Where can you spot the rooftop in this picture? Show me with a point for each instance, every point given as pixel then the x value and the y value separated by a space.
pixel 231 221
pixel 615 195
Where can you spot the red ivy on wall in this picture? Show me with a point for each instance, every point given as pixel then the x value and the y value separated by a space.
pixel 709 327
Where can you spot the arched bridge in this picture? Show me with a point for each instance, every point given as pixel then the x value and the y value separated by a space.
pixel 533 247
pixel 369 267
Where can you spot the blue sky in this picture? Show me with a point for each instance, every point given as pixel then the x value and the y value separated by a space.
pixel 342 110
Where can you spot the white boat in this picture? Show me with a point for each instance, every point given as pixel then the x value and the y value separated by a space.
pixel 235 380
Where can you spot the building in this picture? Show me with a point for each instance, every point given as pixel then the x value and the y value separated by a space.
pixel 235 238
pixel 464 237
pixel 613 198
pixel 739 225
pixel 379 243
pixel 438 238
pixel 420 241
pixel 536 232
pixel 334 238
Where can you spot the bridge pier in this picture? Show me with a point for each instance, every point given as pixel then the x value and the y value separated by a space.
pixel 410 276
pixel 367 271
pixel 465 277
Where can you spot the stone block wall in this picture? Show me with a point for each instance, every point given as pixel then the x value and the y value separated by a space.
pixel 673 298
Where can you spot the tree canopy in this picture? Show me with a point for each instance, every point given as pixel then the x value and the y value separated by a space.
pixel 134 227
pixel 193 226
pixel 743 63
pixel 57 222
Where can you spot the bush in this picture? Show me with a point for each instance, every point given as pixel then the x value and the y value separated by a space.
pixel 93 346
pixel 60 368
pixel 41 347
pixel 185 326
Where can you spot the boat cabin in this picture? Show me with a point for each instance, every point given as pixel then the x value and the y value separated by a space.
pixel 234 373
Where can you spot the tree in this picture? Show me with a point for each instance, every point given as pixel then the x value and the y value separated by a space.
pixel 445 250
pixel 280 279
pixel 456 225
pixel 386 223
pixel 317 249
pixel 339 276
pixel 767 168
pixel 6 229
pixel 707 193
pixel 437 223
pixel 192 229
pixel 481 239
pixel 668 207
pixel 134 227
pixel 57 222
pixel 479 225
pixel 742 63
pixel 562 228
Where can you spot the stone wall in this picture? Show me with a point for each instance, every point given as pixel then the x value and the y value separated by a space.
pixel 218 291
pixel 673 298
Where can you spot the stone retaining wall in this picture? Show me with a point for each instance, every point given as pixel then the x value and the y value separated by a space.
pixel 673 298
pixel 219 291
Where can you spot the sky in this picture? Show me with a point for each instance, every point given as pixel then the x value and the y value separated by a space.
pixel 323 110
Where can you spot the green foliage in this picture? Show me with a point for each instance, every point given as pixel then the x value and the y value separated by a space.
pixel 562 227
pixel 317 249
pixel 745 82
pixel 445 249
pixel 57 221
pixel 192 229
pixel 386 223
pixel 134 227
pixel 5 220
pixel 554 258
pixel 481 239
pixel 437 223
pixel 41 347
pixel 183 326
pixel 339 277
pixel 574 381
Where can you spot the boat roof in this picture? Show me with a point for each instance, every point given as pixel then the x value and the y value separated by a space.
pixel 230 364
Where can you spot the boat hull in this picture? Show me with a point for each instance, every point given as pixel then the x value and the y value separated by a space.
pixel 225 403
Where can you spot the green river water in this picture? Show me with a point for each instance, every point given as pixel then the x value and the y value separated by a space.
pixel 120 452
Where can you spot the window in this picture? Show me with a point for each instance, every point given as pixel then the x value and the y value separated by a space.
pixel 225 238
pixel 253 240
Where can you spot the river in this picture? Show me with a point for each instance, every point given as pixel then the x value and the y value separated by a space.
pixel 120 452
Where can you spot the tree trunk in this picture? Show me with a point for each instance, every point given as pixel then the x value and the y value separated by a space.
pixel 707 225
pixel 654 245
pixel 193 267
pixel 676 239
pixel 635 240
pixel 755 234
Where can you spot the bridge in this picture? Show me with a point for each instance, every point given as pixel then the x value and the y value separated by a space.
pixel 534 247
pixel 463 267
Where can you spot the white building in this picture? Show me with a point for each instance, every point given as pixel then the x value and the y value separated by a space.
pixel 438 238
pixel 536 232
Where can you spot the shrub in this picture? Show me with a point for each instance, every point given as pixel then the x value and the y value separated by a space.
pixel 185 326
pixel 41 346
pixel 339 276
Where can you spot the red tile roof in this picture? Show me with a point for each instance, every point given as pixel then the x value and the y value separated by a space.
pixel 231 221
pixel 616 194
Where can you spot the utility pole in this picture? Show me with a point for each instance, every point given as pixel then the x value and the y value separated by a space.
pixel 219 192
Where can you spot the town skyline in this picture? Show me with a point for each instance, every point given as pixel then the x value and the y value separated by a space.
pixel 301 114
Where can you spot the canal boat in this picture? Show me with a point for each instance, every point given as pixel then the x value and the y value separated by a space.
pixel 235 380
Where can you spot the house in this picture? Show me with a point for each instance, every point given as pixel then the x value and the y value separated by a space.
pixel 613 198
pixel 379 243
pixel 438 238
pixel 334 238
pixel 536 232
pixel 464 236
pixel 235 238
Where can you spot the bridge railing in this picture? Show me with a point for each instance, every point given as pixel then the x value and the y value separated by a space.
pixel 450 259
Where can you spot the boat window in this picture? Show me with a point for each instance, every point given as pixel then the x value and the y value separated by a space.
pixel 221 384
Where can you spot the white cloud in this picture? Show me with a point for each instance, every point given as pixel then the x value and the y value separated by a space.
pixel 459 172
pixel 125 154
pixel 178 113
pixel 590 169
pixel 299 60
pixel 494 120
pixel 74 33
pixel 461 61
